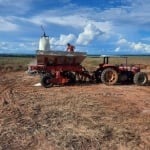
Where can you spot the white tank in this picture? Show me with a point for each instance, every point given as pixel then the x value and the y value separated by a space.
pixel 44 44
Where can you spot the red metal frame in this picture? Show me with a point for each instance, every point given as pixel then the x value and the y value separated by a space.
pixel 57 69
pixel 74 68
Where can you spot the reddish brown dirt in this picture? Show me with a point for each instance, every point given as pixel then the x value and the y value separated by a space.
pixel 80 117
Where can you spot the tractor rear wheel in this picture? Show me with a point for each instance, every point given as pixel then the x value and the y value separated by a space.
pixel 109 76
pixel 140 78
pixel 46 81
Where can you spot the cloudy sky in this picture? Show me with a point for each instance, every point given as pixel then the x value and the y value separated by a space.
pixel 93 26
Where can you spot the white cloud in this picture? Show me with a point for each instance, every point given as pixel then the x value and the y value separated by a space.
pixel 6 25
pixel 63 1
pixel 112 21
pixel 140 46
pixel 72 16
pixel 89 33
pixel 117 49
pixel 63 39
pixel 122 42
pixel 15 6
pixel 104 26
pixel 61 42
pixel 68 20
pixel 66 39
pixel 17 47
pixel 137 47
pixel 3 46
pixel 87 24
pixel 146 39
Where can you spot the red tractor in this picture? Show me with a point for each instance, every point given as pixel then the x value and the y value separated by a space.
pixel 112 74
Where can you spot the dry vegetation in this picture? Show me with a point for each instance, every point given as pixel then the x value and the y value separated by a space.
pixel 80 117
pixel 8 64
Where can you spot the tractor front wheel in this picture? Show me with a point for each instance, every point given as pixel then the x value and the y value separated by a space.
pixel 109 76
pixel 46 81
pixel 140 78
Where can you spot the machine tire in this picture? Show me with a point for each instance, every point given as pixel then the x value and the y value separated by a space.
pixel 45 81
pixel 72 78
pixel 98 76
pixel 140 78
pixel 109 76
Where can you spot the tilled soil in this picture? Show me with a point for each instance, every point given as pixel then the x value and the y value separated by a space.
pixel 79 117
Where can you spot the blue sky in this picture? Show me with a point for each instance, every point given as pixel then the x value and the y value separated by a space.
pixel 93 26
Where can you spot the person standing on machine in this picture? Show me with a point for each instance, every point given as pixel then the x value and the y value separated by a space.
pixel 70 48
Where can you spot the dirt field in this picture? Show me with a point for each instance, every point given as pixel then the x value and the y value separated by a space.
pixel 80 117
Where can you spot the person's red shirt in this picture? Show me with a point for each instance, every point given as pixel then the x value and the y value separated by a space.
pixel 70 48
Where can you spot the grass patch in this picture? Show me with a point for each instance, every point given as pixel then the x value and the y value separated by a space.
pixel 21 63
pixel 14 63
pixel 15 60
